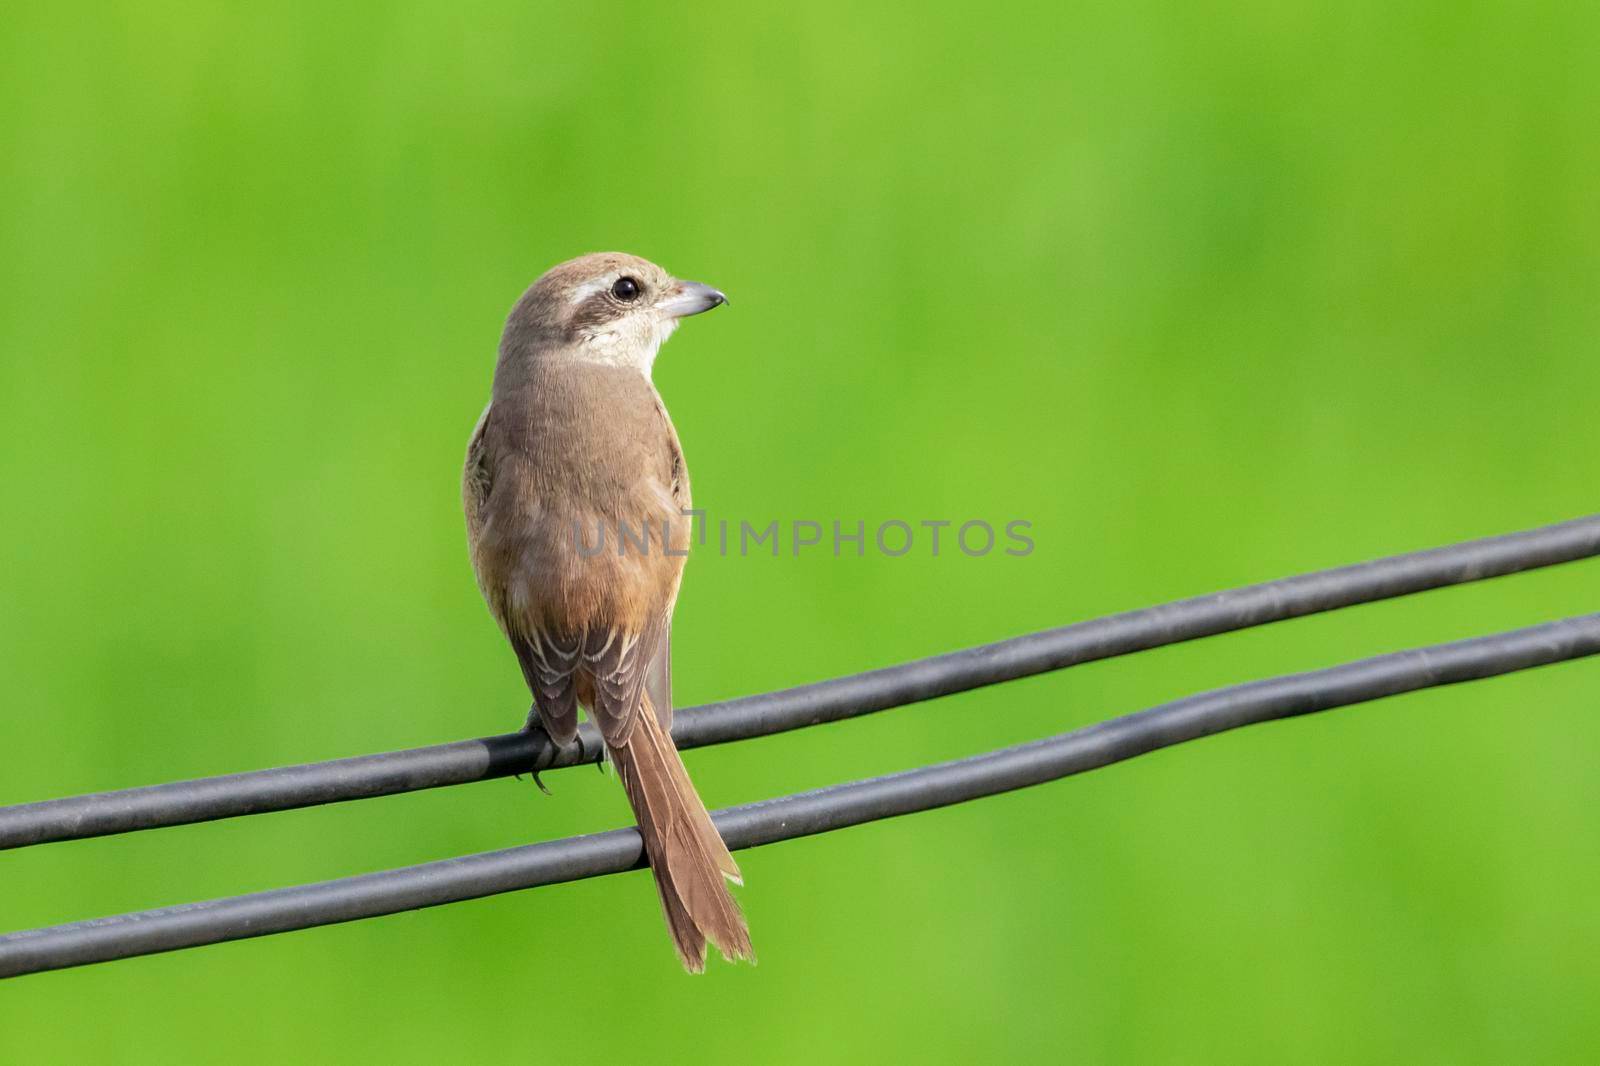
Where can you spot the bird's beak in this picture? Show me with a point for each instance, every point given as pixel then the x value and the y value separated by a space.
pixel 690 298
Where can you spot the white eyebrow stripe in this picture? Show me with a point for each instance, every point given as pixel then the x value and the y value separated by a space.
pixel 589 288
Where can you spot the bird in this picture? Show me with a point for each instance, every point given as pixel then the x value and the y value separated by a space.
pixel 577 506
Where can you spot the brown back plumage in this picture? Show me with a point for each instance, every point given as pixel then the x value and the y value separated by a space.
pixel 576 496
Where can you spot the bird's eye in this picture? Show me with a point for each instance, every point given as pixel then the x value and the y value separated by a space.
pixel 626 289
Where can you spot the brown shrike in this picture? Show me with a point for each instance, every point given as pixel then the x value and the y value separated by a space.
pixel 577 498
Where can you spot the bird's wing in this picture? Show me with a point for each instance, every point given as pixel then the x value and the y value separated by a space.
pixel 550 666
pixel 619 662
pixel 607 669
pixel 548 661
pixel 658 679
pixel 476 478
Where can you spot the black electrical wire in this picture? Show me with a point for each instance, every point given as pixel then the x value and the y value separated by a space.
pixel 362 777
pixel 820 811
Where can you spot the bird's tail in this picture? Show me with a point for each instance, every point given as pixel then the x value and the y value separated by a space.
pixel 687 855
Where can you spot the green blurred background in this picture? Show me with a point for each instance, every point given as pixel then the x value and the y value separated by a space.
pixel 1209 293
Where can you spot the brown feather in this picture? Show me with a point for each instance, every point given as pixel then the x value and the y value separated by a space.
pixel 688 858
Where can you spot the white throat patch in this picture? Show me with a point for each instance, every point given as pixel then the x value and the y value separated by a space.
pixel 613 347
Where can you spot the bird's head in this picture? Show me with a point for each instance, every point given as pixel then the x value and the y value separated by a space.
pixel 607 307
